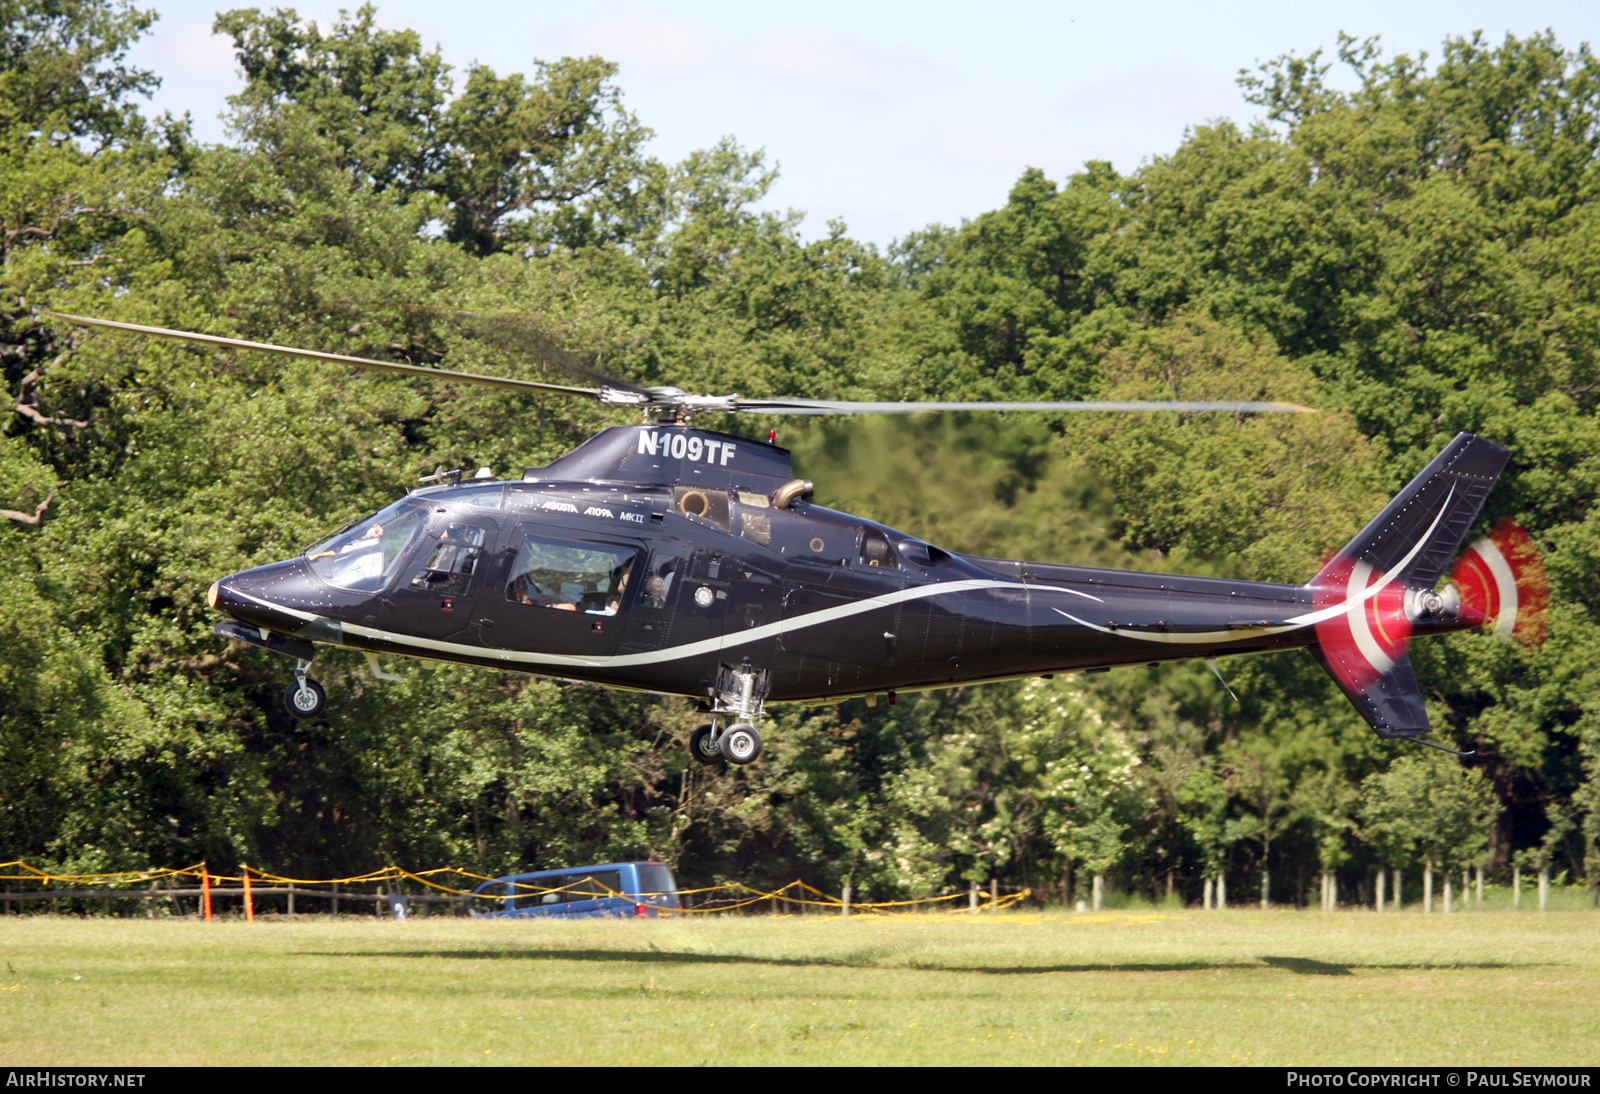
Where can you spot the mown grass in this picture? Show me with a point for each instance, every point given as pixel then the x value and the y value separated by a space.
pixel 1236 987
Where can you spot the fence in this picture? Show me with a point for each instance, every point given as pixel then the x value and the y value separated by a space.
pixel 394 889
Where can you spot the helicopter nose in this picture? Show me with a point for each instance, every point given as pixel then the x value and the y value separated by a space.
pixel 281 597
pixel 230 596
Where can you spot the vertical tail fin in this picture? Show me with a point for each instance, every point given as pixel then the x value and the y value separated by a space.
pixel 1373 593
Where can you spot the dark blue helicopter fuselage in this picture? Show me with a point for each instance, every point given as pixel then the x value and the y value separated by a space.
pixel 715 566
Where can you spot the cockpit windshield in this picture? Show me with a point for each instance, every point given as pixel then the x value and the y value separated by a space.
pixel 366 555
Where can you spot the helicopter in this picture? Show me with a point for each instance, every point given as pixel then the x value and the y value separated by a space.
pixel 661 557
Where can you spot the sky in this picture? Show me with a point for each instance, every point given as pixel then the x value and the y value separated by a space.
pixel 888 115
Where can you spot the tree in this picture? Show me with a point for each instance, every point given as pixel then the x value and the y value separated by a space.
pixel 372 93
pixel 1263 790
pixel 1327 803
pixel 1204 802
pixel 1091 786
pixel 1430 810
pixel 63 71
pixel 543 162
pixel 551 160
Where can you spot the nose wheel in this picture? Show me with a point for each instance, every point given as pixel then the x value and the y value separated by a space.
pixel 304 698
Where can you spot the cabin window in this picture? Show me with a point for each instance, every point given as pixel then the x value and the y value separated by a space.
pixel 569 887
pixel 572 577
pixel 481 498
pixel 454 560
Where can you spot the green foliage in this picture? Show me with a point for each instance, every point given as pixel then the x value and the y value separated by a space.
pixel 1426 810
pixel 372 93
pixel 63 75
pixel 521 162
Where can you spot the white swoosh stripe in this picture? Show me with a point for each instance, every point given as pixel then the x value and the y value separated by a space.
pixel 1187 638
pixel 296 612
pixel 1191 638
pixel 1388 578
pixel 704 646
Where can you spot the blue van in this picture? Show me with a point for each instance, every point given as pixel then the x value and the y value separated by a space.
pixel 610 889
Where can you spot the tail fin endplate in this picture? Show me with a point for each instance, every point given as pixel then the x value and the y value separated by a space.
pixel 1403 550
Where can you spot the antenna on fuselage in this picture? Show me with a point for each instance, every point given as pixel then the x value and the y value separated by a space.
pixel 1211 663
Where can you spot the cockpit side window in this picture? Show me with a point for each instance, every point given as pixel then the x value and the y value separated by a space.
pixel 454 560
pixel 572 577
pixel 366 555
pixel 658 578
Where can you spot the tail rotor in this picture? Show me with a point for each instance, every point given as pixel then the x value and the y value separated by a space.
pixel 1502 576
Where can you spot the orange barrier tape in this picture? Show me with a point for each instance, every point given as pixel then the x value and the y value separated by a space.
pixel 816 898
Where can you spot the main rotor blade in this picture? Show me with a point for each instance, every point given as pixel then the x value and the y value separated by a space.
pixel 510 327
pixel 831 406
pixel 340 358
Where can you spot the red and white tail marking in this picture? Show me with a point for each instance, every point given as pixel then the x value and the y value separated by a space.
pixel 1363 643
pixel 1502 576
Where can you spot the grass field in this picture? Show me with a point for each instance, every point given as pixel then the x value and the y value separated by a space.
pixel 1236 987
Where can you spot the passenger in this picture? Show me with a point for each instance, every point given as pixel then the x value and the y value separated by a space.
pixel 655 592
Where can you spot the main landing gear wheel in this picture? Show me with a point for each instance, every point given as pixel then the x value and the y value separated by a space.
pixel 703 747
pixel 741 744
pixel 305 698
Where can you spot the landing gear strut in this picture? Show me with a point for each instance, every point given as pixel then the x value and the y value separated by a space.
pixel 304 698
pixel 740 693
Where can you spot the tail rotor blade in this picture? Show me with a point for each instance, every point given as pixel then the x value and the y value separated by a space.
pixel 1502 576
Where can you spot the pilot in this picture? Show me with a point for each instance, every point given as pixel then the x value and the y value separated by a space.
pixel 619 585
pixel 362 558
pixel 517 591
